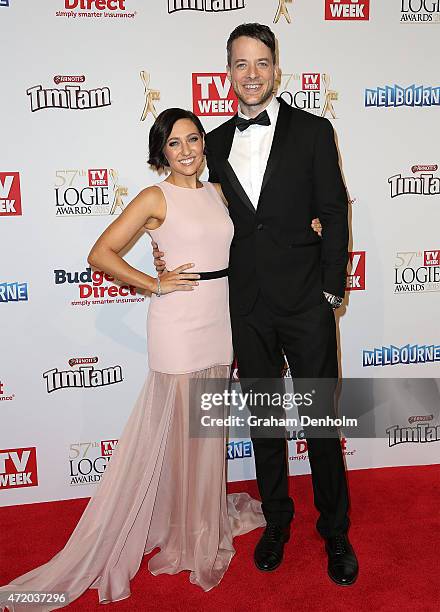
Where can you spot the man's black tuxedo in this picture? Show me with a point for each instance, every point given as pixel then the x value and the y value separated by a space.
pixel 274 248
pixel 278 270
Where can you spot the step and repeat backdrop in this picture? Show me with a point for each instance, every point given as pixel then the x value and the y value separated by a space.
pixel 82 81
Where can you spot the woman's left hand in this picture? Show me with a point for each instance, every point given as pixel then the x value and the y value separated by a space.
pixel 316 226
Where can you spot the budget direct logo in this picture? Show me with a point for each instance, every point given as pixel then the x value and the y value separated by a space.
pixel 417 271
pixel 213 95
pixel 298 448
pixel 420 11
pixel 96 287
pixel 114 10
pixel 426 184
pixel 395 95
pixel 72 96
pixel 10 194
pixel 347 10
pixel 18 468
pixel 91 192
pixel 5 396
pixel 394 355
pixel 356 274
pixel 208 6
pixel 87 376
pixel 13 292
pixel 311 91
pixel 88 461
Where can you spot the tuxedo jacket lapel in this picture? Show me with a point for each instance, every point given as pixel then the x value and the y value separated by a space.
pixel 227 168
pixel 277 149
pixel 237 186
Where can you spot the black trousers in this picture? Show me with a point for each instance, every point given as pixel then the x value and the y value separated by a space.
pixel 309 342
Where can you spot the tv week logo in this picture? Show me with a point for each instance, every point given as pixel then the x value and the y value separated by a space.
pixel 311 81
pixel 10 194
pixel 356 276
pixel 431 258
pixel 347 10
pixel 107 447
pixel 18 468
pixel 98 178
pixel 213 95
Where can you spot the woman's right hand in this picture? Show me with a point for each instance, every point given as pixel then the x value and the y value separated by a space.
pixel 177 280
pixel 159 263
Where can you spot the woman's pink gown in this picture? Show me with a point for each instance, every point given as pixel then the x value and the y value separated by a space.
pixel 162 487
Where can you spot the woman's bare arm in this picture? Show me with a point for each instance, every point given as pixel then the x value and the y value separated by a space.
pixel 146 210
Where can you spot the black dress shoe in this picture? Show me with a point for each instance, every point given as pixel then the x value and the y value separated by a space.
pixel 269 550
pixel 343 566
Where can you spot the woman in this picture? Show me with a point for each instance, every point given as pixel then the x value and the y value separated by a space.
pixel 164 486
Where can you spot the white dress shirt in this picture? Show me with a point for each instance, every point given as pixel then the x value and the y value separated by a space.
pixel 250 152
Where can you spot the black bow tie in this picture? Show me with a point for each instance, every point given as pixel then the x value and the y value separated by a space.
pixel 261 119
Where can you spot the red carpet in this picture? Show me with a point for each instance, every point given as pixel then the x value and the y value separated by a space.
pixel 395 530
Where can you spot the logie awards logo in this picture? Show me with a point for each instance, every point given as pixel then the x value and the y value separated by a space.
pixel 309 91
pixel 420 11
pixel 283 11
pixel 88 192
pixel 151 96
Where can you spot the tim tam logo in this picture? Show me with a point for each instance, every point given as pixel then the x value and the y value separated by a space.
pixel 209 6
pixel 72 96
pixel 18 468
pixel 213 94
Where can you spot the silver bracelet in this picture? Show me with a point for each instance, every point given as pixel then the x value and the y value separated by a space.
pixel 159 290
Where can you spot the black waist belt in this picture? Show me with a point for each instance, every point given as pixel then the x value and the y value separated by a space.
pixel 210 275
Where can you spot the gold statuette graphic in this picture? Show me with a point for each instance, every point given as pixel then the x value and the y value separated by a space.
pixel 150 96
pixel 119 191
pixel 282 10
pixel 329 95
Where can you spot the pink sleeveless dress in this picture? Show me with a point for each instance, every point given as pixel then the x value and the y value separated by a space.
pixel 163 488
pixel 191 330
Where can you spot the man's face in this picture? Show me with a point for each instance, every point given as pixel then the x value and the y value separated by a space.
pixel 252 71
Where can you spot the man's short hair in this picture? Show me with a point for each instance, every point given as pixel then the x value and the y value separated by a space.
pixel 252 30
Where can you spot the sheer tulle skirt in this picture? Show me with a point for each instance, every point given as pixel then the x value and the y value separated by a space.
pixel 162 488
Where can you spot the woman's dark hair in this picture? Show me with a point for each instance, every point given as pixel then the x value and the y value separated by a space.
pixel 161 130
pixel 252 30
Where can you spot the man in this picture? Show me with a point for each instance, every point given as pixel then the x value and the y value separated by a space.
pixel 278 168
